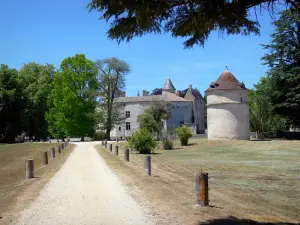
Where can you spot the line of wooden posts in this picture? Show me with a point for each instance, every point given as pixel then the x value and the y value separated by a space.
pixel 29 163
pixel 201 178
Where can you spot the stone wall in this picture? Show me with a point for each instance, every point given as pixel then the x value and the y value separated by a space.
pixel 228 114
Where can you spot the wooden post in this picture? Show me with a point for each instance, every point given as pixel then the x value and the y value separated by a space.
pixel 147 165
pixel 110 147
pixel 201 189
pixel 53 153
pixel 117 140
pixel 117 150
pixel 102 143
pixel 126 154
pixel 45 158
pixel 62 146
pixel 29 166
pixel 105 142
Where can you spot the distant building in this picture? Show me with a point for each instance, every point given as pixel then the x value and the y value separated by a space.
pixel 227 109
pixel 186 107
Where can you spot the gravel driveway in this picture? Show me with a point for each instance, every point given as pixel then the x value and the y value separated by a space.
pixel 84 191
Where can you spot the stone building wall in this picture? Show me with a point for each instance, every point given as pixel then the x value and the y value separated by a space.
pixel 228 114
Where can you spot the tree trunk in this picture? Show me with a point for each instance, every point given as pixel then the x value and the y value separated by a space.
pixel 82 139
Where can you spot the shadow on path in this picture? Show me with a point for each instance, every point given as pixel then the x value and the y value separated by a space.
pixel 236 221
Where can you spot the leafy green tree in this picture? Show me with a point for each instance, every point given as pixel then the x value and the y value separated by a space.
pixel 73 102
pixel 36 82
pixel 152 117
pixel 142 141
pixel 10 104
pixel 111 79
pixel 145 92
pixel 194 20
pixel 283 60
pixel 262 115
pixel 184 133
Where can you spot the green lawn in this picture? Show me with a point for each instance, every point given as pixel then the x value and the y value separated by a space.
pixel 257 180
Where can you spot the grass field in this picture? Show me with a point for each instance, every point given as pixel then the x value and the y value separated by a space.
pixel 256 180
pixel 15 191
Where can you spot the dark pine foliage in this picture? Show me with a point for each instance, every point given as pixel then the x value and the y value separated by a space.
pixel 191 19
pixel 283 60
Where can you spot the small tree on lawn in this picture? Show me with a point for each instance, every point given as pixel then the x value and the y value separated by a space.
pixel 184 134
pixel 142 141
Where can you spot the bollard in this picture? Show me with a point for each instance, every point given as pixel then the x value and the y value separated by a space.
pixel 126 154
pixel 45 158
pixel 29 166
pixel 201 189
pixel 117 140
pixel 53 153
pixel 116 150
pixel 105 143
pixel 110 147
pixel 102 143
pixel 62 146
pixel 59 149
pixel 147 165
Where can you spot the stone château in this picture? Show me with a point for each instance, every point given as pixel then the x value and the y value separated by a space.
pixel 186 107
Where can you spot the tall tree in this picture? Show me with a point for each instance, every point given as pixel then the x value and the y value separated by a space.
pixel 283 60
pixel 10 104
pixel 191 19
pixel 73 102
pixel 152 118
pixel 111 78
pixel 36 83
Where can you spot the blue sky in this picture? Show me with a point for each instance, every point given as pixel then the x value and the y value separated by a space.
pixel 49 31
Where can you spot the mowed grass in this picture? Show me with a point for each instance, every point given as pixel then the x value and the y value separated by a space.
pixel 258 180
pixel 15 191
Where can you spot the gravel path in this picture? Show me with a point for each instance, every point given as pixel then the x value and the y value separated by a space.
pixel 84 191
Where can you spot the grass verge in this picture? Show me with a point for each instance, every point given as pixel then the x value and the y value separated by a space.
pixel 16 192
pixel 254 180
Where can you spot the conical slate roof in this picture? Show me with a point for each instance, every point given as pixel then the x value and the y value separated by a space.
pixel 169 85
pixel 227 81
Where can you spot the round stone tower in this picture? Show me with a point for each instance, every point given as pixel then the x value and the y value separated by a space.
pixel 227 109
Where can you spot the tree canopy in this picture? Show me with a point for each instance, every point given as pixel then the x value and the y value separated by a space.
pixel 36 83
pixel 153 116
pixel 10 104
pixel 111 80
pixel 73 102
pixel 190 19
pixel 283 60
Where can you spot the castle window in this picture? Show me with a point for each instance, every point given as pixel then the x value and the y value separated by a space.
pixel 241 99
pixel 119 128
pixel 127 113
pixel 128 127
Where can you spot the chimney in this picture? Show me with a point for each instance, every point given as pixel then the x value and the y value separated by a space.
pixel 178 93
pixel 190 88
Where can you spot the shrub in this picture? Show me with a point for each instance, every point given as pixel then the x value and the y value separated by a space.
pixel 99 136
pixel 184 133
pixel 167 139
pixel 167 144
pixel 142 141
